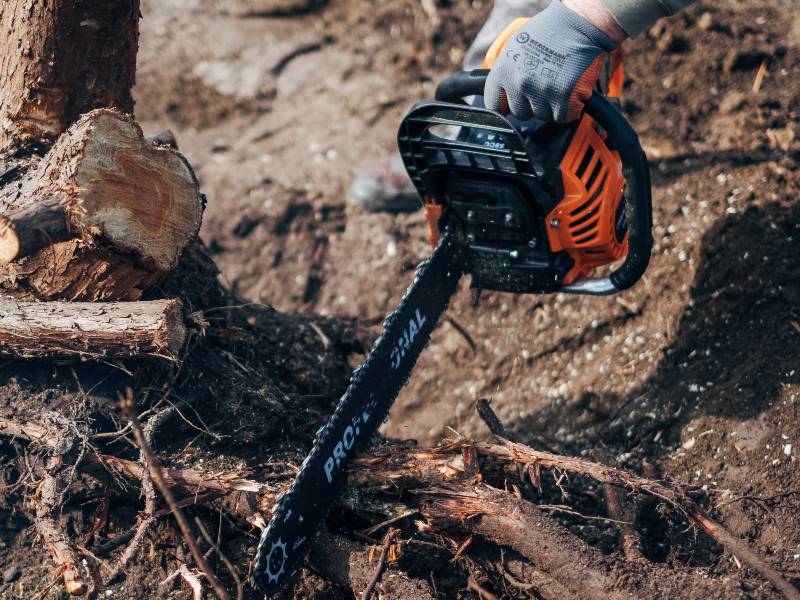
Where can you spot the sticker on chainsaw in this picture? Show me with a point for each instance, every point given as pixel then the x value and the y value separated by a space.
pixel 349 438
pixel 410 332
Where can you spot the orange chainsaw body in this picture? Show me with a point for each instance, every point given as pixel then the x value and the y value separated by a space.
pixel 587 222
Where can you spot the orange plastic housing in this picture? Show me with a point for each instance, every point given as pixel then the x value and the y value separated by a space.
pixel 583 223
pixel 497 46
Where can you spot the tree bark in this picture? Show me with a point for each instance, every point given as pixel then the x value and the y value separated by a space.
pixel 86 329
pixel 102 216
pixel 61 59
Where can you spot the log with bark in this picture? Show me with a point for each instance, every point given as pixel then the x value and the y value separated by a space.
pixel 112 330
pixel 89 209
pixel 104 215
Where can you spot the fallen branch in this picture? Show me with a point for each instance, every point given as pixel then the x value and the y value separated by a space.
pixel 166 492
pixel 666 491
pixel 429 480
pixel 618 509
pixel 91 330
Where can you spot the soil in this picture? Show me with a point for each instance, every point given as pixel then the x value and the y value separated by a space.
pixel 692 374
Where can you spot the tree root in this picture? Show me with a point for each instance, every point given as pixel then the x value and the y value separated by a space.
pixel 66 451
pixel 434 483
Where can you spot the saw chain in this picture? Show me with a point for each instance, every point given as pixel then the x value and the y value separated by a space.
pixel 361 410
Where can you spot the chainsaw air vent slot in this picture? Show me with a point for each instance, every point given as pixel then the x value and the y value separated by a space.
pixel 595 174
pixel 587 158
pixel 435 157
pixel 461 158
pixel 484 162
pixel 588 204
pixel 590 221
pixel 586 233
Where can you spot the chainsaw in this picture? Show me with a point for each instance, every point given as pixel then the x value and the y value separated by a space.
pixel 521 207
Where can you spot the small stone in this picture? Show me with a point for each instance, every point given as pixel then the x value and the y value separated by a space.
pixel 706 21
pixel 10 574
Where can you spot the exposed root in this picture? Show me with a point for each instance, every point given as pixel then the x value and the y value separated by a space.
pixel 624 517
pixel 128 405
pixel 148 519
pixel 387 544
pixel 65 453
pixel 436 484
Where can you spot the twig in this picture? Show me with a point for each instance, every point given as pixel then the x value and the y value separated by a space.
pixel 464 333
pixel 149 508
pixel 495 425
pixel 489 417
pixel 392 521
pixel 192 580
pixel 112 544
pixel 228 565
pixel 483 593
pixel 387 543
pixel 128 406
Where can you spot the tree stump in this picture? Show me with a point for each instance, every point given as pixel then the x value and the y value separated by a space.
pixel 102 214
pixel 61 59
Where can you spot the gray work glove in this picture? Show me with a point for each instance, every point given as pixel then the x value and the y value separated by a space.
pixel 548 68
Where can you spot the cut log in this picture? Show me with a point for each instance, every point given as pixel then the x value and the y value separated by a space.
pixel 91 330
pixel 61 59
pixel 103 216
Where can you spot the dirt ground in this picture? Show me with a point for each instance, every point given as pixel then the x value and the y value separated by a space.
pixel 693 374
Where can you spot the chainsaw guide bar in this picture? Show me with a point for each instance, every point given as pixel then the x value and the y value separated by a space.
pixel 361 410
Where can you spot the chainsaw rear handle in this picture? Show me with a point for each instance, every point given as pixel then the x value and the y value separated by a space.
pixel 638 200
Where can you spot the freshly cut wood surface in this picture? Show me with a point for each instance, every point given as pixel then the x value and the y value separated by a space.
pixel 91 329
pixel 103 216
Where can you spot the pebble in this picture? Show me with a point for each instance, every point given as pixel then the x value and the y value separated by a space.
pixel 10 574
pixel 706 21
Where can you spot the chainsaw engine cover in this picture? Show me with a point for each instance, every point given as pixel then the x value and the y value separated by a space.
pixel 539 204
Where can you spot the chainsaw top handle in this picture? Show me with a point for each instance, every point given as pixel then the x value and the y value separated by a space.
pixel 638 201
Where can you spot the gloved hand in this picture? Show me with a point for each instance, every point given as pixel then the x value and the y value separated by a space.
pixel 548 68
